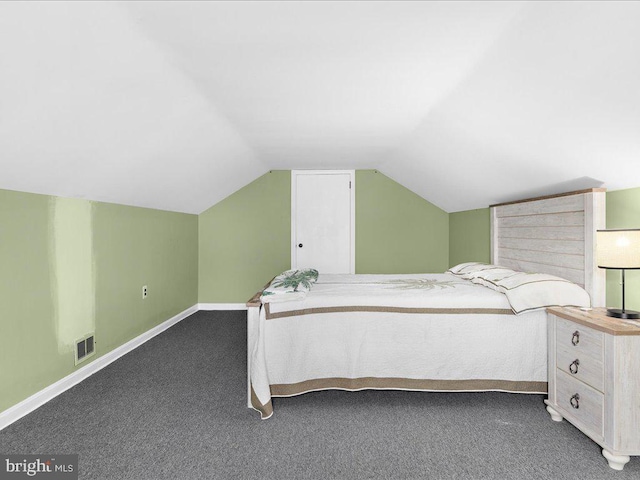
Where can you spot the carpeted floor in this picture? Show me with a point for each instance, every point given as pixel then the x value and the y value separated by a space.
pixel 175 408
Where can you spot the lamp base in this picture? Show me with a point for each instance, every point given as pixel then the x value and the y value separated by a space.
pixel 616 312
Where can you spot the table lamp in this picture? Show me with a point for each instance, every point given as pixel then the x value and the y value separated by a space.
pixel 619 249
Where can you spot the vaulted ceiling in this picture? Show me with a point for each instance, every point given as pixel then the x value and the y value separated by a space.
pixel 175 105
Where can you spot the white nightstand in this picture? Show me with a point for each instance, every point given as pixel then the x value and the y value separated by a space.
pixel 594 378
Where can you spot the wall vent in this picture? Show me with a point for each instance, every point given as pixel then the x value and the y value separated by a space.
pixel 85 348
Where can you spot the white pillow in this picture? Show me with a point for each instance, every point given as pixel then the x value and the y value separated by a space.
pixel 472 271
pixel 490 277
pixel 531 291
pixel 458 268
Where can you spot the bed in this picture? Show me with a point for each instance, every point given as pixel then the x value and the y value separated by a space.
pixel 468 329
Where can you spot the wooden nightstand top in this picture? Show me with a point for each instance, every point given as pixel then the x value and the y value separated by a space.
pixel 598 320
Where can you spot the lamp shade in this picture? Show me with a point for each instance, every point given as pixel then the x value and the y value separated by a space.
pixel 618 248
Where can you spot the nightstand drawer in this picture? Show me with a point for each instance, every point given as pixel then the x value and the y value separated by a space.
pixel 579 339
pixel 583 404
pixel 587 368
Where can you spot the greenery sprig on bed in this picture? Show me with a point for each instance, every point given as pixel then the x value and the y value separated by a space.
pixel 292 283
pixel 295 279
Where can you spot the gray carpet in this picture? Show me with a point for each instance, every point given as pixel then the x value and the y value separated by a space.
pixel 175 409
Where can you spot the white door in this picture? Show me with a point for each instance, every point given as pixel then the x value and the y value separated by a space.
pixel 323 220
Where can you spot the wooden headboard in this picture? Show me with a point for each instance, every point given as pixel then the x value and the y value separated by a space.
pixel 555 234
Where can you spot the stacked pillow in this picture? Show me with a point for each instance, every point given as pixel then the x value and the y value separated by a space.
pixel 462 268
pixel 475 270
pixel 525 291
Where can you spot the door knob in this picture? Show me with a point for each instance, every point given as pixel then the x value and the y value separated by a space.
pixel 300 245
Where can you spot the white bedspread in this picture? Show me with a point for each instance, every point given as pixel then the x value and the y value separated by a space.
pixel 409 332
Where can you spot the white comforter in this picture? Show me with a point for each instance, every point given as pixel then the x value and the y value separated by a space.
pixel 411 332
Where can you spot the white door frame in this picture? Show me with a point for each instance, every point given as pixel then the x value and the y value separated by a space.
pixel 352 179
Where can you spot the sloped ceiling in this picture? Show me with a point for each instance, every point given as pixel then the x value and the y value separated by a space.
pixel 175 105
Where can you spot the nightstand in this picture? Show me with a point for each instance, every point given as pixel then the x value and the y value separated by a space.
pixel 594 378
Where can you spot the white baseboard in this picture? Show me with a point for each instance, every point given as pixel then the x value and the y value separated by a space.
pixel 43 396
pixel 222 306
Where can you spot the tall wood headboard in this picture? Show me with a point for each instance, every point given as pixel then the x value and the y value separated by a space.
pixel 555 234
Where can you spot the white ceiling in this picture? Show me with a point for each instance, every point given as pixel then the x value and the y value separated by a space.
pixel 175 105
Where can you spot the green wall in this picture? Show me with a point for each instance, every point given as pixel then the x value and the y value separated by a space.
pixel 397 231
pixel 469 237
pixel 623 211
pixel 69 267
pixel 245 239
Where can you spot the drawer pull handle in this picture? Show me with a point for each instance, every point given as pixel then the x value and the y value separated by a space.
pixel 575 339
pixel 575 401
pixel 573 368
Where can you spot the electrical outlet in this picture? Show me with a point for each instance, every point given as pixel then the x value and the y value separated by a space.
pixel 144 291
